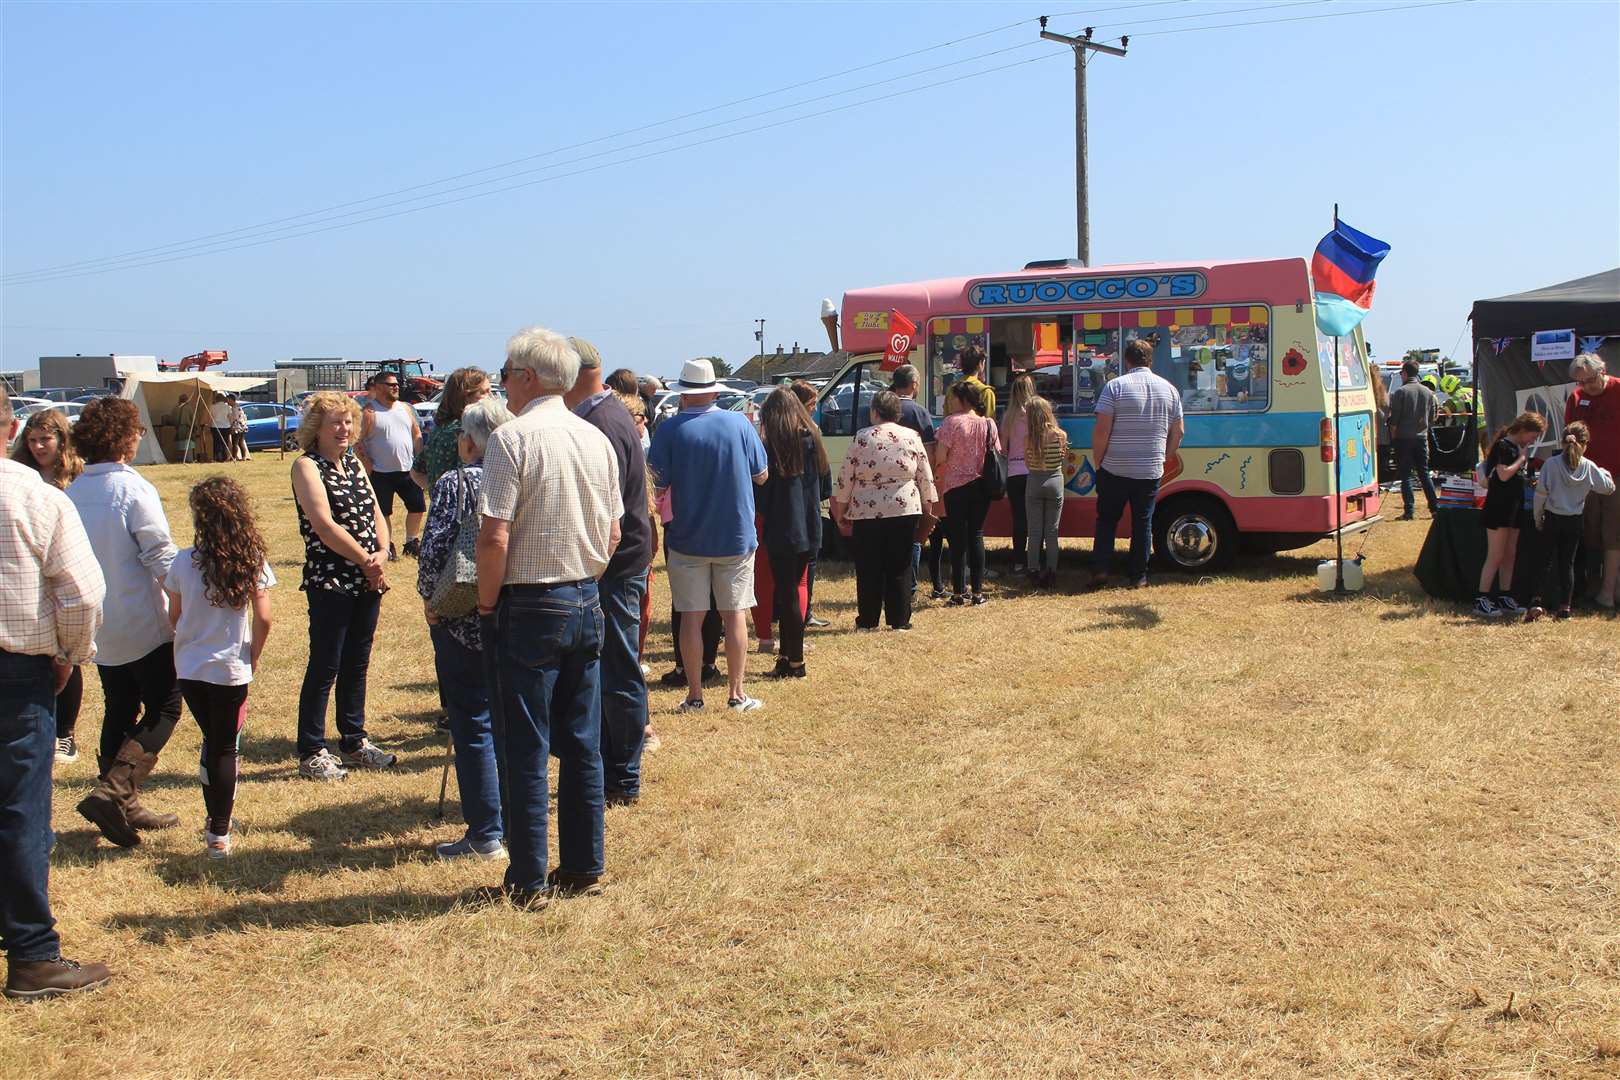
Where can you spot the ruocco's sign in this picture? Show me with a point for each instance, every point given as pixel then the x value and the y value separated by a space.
pixel 1031 292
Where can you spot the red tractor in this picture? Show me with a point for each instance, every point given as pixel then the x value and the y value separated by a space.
pixel 198 361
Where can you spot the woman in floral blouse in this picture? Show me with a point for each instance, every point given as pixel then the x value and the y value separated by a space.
pixel 457 646
pixel 883 489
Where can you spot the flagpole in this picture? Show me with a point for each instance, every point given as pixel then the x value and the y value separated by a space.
pixel 1338 464
pixel 1338 472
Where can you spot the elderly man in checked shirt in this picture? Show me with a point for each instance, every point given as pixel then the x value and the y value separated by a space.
pixel 551 506
pixel 50 609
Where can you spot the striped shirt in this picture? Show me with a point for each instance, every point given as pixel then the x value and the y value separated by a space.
pixel 1051 457
pixel 556 479
pixel 1144 407
pixel 50 584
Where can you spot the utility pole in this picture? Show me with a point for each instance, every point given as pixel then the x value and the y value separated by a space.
pixel 759 336
pixel 1082 207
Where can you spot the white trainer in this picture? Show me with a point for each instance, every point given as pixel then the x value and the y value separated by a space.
pixel 367 756
pixel 321 765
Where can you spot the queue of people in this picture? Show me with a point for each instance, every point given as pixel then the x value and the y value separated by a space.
pixel 534 567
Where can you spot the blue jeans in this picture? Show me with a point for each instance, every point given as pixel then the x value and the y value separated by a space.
pixel 624 690
pixel 1412 455
pixel 543 646
pixel 27 752
pixel 466 699
pixel 1113 494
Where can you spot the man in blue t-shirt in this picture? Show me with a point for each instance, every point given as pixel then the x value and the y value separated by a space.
pixel 709 459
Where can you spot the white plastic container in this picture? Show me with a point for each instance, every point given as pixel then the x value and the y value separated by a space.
pixel 1353 579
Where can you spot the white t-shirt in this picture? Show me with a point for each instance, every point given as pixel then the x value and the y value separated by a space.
pixel 211 644
pixel 220 411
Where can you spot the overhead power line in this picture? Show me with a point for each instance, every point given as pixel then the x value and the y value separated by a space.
pixel 243 231
pixel 170 253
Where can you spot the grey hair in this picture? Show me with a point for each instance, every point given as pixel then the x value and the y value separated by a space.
pixel 5 407
pixel 904 377
pixel 1586 365
pixel 480 419
pixel 546 353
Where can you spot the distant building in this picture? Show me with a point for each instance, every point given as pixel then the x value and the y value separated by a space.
pixel 94 371
pixel 792 363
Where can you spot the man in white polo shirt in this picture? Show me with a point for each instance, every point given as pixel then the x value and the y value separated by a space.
pixel 1139 425
pixel 551 507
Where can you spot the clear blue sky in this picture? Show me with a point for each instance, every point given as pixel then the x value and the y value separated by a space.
pixel 1481 140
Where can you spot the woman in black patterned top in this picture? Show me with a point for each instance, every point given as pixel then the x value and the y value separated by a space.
pixel 345 554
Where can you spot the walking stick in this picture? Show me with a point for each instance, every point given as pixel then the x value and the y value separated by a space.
pixel 444 778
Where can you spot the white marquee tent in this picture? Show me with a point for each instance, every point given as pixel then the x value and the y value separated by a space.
pixel 173 429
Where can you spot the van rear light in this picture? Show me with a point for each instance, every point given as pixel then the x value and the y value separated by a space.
pixel 1327 440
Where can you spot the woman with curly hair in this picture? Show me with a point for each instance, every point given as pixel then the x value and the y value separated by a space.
pixel 129 534
pixel 219 607
pixel 345 552
pixel 46 446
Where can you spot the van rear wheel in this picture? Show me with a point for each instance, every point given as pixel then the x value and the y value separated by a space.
pixel 1194 534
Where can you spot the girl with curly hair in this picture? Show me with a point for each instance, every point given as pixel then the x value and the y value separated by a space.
pixel 46 446
pixel 220 609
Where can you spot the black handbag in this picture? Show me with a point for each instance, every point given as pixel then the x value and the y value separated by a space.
pixel 993 473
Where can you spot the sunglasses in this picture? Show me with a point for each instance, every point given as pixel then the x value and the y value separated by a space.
pixel 507 371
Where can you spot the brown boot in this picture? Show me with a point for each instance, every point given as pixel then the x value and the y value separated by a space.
pixel 32 980
pixel 138 815
pixel 104 806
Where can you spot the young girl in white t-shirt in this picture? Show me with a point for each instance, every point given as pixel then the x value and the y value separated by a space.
pixel 220 609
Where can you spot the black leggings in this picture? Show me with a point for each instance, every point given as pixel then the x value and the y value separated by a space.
pixel 1560 538
pixel 965 509
pixel 787 567
pixel 220 711
pixel 144 688
pixel 67 704
pixel 1017 486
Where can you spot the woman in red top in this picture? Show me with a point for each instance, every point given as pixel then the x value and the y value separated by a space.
pixel 961 444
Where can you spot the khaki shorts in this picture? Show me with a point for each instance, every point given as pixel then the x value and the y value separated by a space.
pixel 693 577
pixel 1603 522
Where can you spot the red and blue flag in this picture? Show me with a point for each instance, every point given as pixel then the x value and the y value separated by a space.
pixel 1342 274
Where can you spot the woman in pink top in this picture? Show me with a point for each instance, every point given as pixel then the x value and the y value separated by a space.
pixel 1014 433
pixel 961 443
pixel 884 487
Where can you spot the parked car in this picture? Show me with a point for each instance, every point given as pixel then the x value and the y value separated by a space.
pixel 21 402
pixel 63 393
pixel 71 408
pixel 425 411
pixel 264 425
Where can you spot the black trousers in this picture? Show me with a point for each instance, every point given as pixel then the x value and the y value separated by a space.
pixel 68 702
pixel 142 703
pixel 883 570
pixel 341 627
pixel 1017 487
pixel 936 556
pixel 786 569
pixel 965 508
pixel 220 712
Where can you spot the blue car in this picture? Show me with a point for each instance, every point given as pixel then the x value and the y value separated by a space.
pixel 264 425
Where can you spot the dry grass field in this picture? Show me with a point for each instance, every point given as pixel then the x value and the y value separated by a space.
pixel 1215 828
